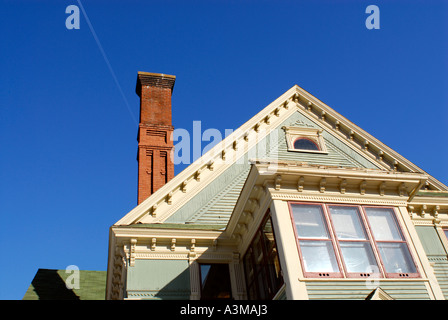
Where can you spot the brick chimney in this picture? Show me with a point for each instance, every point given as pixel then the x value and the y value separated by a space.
pixel 155 163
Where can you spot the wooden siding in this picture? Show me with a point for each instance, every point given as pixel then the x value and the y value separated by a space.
pixel 437 255
pixel 339 154
pixel 159 280
pixel 214 204
pixel 358 290
pixel 440 266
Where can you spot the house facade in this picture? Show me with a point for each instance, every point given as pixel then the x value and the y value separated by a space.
pixel 298 203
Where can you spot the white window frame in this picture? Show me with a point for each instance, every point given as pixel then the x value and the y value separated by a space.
pixel 313 134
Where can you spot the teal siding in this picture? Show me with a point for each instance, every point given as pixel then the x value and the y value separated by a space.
pixel 158 280
pixel 339 154
pixel 436 253
pixel 214 204
pixel 440 266
pixel 359 290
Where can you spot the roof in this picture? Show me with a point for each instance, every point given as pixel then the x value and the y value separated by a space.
pixel 49 284
pixel 206 191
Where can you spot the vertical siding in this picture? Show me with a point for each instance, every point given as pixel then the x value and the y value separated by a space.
pixel 358 290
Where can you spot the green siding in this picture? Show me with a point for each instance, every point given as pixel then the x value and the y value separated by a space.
pixel 440 266
pixel 339 154
pixel 359 290
pixel 430 240
pixel 214 204
pixel 436 253
pixel 159 280
pixel 223 191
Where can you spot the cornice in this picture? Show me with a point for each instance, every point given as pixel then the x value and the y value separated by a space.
pixel 357 137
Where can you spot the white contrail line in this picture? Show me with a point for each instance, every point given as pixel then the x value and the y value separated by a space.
pixel 106 60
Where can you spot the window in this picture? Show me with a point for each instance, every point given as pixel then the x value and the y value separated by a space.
pixel 351 241
pixel 261 264
pixel 446 233
pixel 301 139
pixel 215 281
pixel 305 144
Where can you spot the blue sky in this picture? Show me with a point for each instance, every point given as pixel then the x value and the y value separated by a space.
pixel 68 129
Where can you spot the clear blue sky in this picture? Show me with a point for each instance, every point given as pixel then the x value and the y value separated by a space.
pixel 68 168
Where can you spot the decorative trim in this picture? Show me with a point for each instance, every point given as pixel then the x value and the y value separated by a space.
pixel 312 134
pixel 335 198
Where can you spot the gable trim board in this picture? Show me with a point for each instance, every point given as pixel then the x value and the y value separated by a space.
pixel 165 201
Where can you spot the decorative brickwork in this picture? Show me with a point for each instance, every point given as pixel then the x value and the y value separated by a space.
pixel 155 144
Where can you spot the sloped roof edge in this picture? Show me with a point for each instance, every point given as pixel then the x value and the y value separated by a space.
pixel 295 97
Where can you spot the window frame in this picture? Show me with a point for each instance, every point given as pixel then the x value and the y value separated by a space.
pixel 312 134
pixel 343 271
pixel 403 240
pixel 262 268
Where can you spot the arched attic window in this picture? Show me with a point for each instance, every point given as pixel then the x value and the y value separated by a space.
pixel 305 144
pixel 300 139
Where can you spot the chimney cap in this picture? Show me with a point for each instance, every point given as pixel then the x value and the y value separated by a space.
pixel 159 80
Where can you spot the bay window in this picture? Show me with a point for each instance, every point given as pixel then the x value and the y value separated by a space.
pixel 262 265
pixel 349 241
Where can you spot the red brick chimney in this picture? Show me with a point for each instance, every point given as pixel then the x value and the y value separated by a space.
pixel 155 163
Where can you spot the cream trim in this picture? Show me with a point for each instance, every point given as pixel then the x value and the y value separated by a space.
pixel 315 135
pixel 156 209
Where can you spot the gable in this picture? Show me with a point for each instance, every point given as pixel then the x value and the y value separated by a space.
pixel 215 203
pixel 208 189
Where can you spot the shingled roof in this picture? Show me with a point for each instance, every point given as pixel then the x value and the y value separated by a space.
pixel 50 284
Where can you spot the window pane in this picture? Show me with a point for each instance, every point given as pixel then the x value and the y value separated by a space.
pixel 257 250
pixel 215 280
pixel 446 233
pixel 305 144
pixel 383 224
pixel 347 222
pixel 249 267
pixel 396 258
pixel 309 221
pixel 318 256
pixel 268 235
pixel 358 256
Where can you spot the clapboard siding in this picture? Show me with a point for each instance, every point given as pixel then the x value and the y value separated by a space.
pixel 440 266
pixel 436 254
pixel 215 202
pixel 359 290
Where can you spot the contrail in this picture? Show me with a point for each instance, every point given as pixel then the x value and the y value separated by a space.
pixel 106 60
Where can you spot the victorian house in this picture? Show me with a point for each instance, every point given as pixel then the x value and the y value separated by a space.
pixel 297 203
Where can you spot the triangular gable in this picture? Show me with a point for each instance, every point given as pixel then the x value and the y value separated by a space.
pixel 379 294
pixel 207 189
